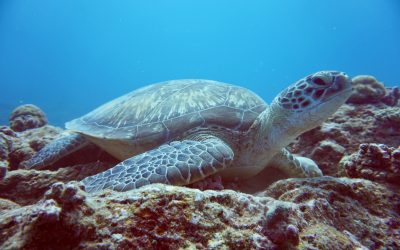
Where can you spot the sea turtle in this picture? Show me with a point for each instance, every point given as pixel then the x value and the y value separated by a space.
pixel 182 131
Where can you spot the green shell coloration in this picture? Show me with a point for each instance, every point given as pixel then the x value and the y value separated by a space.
pixel 163 111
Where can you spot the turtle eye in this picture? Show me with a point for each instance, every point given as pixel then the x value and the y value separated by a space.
pixel 319 81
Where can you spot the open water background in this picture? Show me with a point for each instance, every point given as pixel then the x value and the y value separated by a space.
pixel 70 56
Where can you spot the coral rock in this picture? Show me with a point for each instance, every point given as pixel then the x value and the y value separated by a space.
pixel 69 194
pixel 392 96
pixel 3 171
pixel 376 162
pixel 366 90
pixel 28 186
pixel 326 152
pixel 213 182
pixel 7 205
pixel 6 137
pixel 342 213
pixel 27 117
pixel 314 213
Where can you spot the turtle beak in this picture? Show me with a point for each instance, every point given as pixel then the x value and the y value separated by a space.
pixel 342 82
pixel 342 85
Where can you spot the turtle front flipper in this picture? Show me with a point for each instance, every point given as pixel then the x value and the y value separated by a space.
pixel 176 163
pixel 295 166
pixel 283 165
pixel 55 151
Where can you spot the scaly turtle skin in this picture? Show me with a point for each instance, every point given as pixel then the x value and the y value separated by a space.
pixel 179 132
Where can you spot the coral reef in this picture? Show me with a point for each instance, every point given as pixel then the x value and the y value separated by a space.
pixel 291 214
pixel 27 117
pixel 28 186
pixel 376 162
pixel 342 213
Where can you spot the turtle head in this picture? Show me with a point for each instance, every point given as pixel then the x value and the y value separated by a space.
pixel 302 106
pixel 319 94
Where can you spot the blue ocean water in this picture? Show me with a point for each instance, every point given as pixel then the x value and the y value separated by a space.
pixel 70 56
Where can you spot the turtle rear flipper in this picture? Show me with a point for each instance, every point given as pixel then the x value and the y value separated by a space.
pixel 176 163
pixel 55 151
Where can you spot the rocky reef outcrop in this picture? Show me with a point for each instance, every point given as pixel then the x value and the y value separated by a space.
pixel 320 213
pixel 376 162
pixel 367 89
pixel 357 208
pixel 27 116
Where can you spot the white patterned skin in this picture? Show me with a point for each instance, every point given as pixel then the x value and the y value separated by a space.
pixel 182 131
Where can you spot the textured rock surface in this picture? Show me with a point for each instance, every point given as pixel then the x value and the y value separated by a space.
pixel 392 96
pixel 325 213
pixel 27 117
pixel 28 186
pixel 328 151
pixel 343 213
pixel 376 162
pixel 6 138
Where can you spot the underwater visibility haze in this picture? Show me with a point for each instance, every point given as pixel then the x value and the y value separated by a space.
pixel 68 57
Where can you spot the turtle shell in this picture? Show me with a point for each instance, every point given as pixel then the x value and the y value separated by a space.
pixel 164 111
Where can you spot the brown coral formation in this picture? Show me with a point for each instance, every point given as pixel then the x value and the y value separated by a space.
pixel 376 162
pixel 291 214
pixel 28 186
pixel 366 90
pixel 342 213
pixel 27 117
pixel 5 145
pixel 392 96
